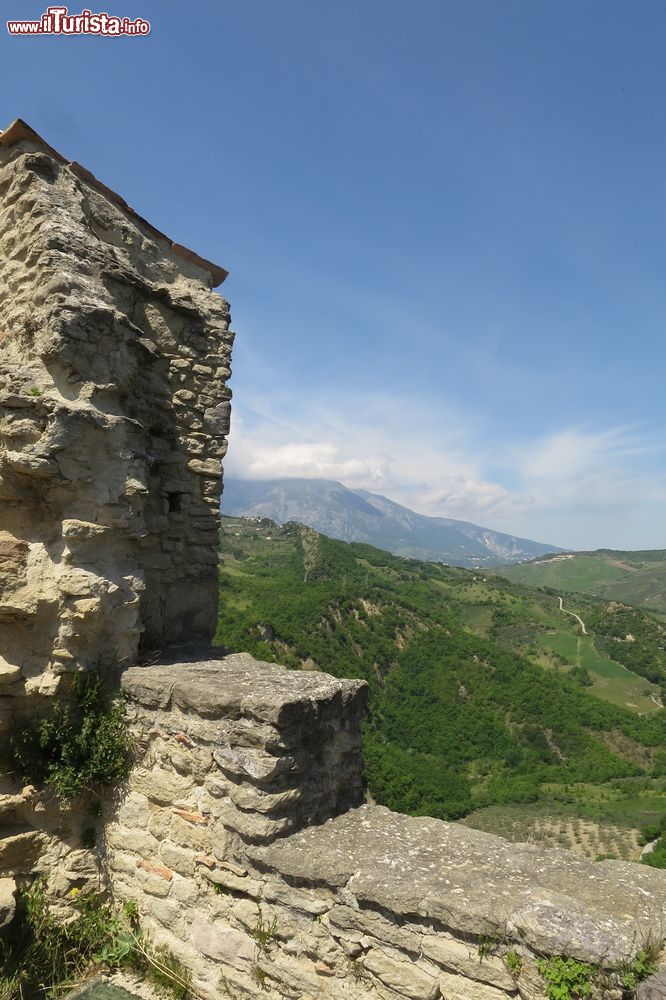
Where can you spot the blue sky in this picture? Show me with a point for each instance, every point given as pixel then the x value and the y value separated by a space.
pixel 445 223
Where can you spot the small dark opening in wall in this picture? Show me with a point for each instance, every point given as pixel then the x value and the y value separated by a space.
pixel 175 501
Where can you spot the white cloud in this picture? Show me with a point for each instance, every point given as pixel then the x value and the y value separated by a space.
pixel 261 459
pixel 558 487
pixel 592 469
pixel 376 444
pixel 458 497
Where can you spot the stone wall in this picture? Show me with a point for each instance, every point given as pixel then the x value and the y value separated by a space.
pixel 40 836
pixel 114 410
pixel 243 838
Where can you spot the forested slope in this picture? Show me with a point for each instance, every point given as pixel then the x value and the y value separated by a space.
pixel 471 704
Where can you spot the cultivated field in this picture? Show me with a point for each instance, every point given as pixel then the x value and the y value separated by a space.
pixel 637 578
pixel 590 820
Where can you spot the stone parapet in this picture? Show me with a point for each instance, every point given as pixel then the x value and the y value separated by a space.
pixel 276 750
pixel 243 840
pixel 471 882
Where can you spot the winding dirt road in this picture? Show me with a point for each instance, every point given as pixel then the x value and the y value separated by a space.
pixel 574 615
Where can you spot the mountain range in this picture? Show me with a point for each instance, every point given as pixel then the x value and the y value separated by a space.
pixel 361 516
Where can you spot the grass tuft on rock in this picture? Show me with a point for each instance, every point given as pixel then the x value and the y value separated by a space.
pixel 79 744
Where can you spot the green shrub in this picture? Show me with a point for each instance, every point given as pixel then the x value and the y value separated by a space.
pixel 264 933
pixel 581 675
pixel 656 858
pixel 513 962
pixel 569 979
pixel 566 979
pixel 165 970
pixel 41 951
pixel 82 742
pixel 644 964
pixel 44 954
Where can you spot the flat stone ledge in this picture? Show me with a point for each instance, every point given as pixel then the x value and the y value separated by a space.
pixel 238 685
pixel 553 901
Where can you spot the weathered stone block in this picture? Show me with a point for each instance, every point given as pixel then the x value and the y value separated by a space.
pixel 138 841
pixel 134 811
pixel 7 901
pixel 653 988
pixel 20 850
pixel 179 859
pixel 157 887
pixel 461 988
pixel 167 912
pixel 402 975
pixel 162 787
pixel 465 959
pixel 190 835
pixel 236 883
pixel 222 943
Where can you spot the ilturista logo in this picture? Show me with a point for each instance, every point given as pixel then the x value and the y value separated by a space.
pixel 58 21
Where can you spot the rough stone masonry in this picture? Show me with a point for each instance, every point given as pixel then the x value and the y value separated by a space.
pixel 114 357
pixel 241 833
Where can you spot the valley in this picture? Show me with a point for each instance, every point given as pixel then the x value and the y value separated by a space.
pixel 488 704
pixel 637 578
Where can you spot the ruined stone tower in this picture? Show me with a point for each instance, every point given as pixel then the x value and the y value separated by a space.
pixel 114 410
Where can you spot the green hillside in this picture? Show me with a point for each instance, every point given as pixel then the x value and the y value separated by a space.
pixel 484 694
pixel 637 578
